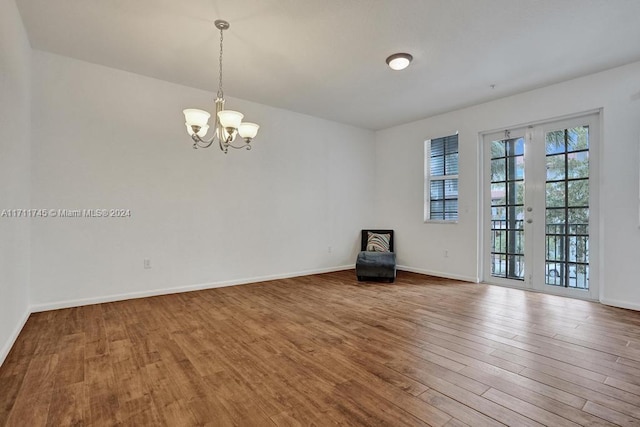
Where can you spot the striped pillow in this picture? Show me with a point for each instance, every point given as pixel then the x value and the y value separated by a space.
pixel 378 242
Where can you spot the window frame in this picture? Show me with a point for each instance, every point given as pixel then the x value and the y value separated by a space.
pixel 428 178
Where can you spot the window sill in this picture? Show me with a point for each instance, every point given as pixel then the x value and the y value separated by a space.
pixel 440 221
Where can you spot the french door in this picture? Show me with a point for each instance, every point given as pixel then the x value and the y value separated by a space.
pixel 539 200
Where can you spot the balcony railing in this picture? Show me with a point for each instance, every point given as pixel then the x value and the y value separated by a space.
pixel 566 252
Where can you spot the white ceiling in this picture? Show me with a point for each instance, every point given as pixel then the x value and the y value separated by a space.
pixel 327 57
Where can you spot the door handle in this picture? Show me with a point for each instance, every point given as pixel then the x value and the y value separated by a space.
pixel 529 221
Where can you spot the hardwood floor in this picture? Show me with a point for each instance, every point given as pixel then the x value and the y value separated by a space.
pixel 323 350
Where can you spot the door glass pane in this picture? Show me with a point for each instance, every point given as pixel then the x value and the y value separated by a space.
pixel 515 147
pixel 516 190
pixel 577 138
pixel 499 193
pixel 498 170
pixel 567 208
pixel 578 164
pixel 555 167
pixel 555 142
pixel 578 192
pixel 578 218
pixel 555 217
pixel 497 150
pixel 516 169
pixel 555 194
pixel 507 208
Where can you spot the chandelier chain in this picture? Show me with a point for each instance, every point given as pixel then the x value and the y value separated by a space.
pixel 220 90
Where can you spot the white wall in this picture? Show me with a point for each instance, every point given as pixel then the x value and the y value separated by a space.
pixel 104 138
pixel 15 69
pixel 399 178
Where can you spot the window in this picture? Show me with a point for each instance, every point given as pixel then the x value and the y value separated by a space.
pixel 441 179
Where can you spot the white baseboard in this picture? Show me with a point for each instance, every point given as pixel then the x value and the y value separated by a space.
pixel 438 274
pixel 620 304
pixel 143 294
pixel 6 348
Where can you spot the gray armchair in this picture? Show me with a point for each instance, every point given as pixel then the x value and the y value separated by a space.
pixel 377 264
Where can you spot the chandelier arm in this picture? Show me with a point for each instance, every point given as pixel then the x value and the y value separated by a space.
pixel 239 147
pixel 202 143
pixel 225 144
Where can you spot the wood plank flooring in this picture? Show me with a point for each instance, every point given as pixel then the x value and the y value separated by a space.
pixel 327 350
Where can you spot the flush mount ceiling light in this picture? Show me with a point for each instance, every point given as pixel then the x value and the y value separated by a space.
pixel 227 123
pixel 399 61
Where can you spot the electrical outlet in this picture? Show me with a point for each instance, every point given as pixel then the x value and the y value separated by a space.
pixel 329 249
pixel 147 263
pixel 446 253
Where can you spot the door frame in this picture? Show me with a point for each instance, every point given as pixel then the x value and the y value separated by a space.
pixel 596 272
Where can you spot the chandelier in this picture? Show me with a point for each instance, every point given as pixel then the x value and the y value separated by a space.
pixel 227 123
